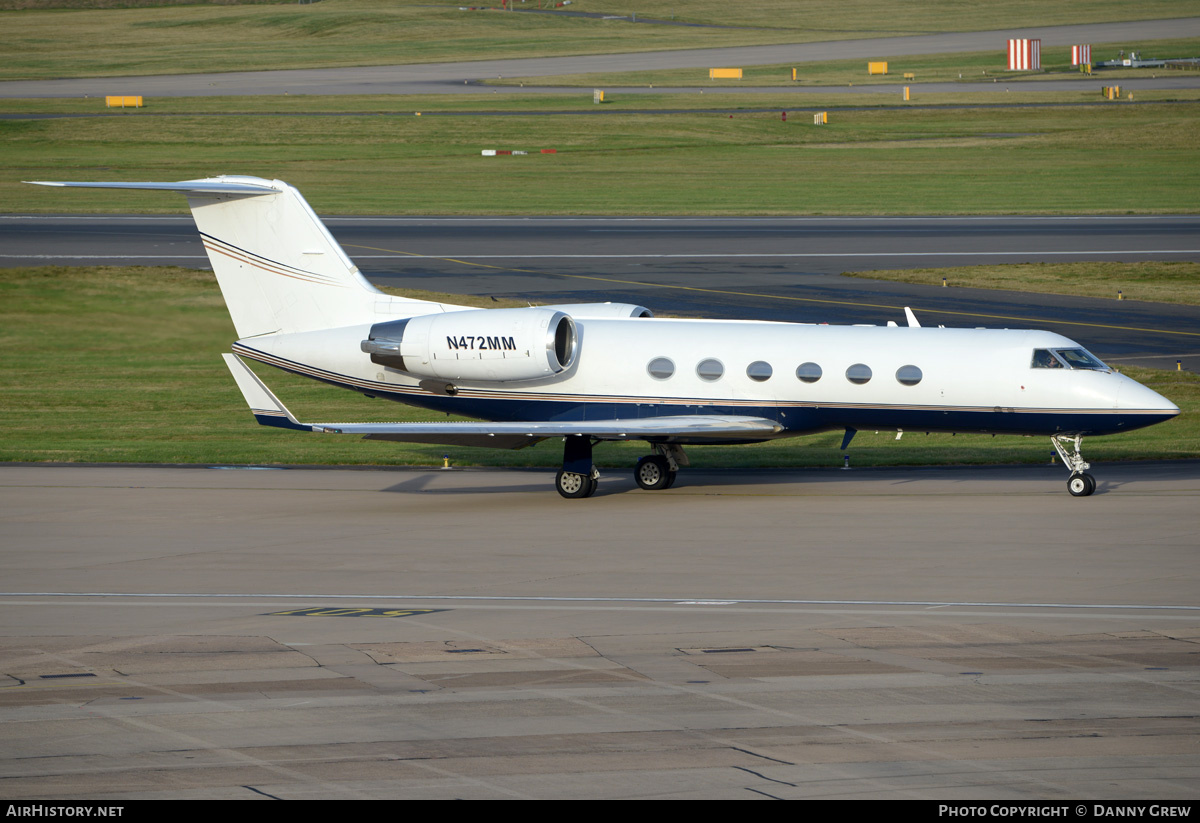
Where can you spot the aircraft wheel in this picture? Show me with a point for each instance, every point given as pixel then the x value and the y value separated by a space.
pixel 1081 485
pixel 653 472
pixel 670 479
pixel 572 485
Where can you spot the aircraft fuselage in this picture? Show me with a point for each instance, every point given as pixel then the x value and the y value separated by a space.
pixel 808 378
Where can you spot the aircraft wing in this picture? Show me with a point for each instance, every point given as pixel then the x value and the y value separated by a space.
pixel 269 411
pixel 526 433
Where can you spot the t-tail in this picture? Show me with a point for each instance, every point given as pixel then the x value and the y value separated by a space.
pixel 279 268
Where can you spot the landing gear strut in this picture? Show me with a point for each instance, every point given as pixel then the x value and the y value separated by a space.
pixel 658 470
pixel 1080 483
pixel 578 476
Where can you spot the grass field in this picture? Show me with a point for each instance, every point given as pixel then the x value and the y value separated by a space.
pixel 893 161
pixel 818 19
pixel 1158 281
pixel 44 5
pixel 137 377
pixel 206 37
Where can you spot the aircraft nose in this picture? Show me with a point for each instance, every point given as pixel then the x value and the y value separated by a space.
pixel 1134 396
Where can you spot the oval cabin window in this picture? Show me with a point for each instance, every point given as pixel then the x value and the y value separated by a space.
pixel 759 371
pixel 808 372
pixel 661 368
pixel 710 370
pixel 859 373
pixel 909 375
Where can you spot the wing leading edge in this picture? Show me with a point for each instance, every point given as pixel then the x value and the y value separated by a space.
pixel 269 411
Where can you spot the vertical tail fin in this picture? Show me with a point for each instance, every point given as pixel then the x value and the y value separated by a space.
pixel 279 268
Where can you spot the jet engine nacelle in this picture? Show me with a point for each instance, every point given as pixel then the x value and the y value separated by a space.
pixel 499 345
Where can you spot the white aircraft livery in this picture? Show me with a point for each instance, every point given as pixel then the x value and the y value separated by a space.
pixel 597 372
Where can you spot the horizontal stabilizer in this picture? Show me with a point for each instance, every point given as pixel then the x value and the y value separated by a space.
pixel 212 186
pixel 279 268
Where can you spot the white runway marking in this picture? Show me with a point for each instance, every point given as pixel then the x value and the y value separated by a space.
pixel 108 218
pixel 688 256
pixel 673 601
pixel 726 256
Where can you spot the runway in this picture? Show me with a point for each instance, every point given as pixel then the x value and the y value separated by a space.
pixel 391 246
pixel 754 268
pixel 191 633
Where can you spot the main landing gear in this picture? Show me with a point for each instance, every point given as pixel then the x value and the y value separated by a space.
pixel 578 476
pixel 1080 483
pixel 654 472
pixel 573 484
pixel 658 470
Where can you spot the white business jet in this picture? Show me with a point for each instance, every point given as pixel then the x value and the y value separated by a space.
pixel 602 371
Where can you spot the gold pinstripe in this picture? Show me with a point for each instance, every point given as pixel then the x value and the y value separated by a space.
pixel 212 244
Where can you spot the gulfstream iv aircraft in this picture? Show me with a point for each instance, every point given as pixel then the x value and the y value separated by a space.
pixel 588 373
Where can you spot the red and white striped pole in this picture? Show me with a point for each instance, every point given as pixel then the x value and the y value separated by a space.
pixel 1024 55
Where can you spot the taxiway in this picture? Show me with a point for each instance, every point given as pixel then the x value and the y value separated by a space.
pixel 302 633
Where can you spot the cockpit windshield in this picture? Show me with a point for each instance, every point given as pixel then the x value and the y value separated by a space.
pixel 1081 359
pixel 1066 358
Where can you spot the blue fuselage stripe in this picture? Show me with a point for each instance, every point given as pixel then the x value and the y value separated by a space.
pixel 798 420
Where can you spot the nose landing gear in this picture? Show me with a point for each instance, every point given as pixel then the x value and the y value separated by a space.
pixel 1080 483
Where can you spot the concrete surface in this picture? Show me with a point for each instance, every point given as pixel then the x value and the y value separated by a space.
pixel 926 633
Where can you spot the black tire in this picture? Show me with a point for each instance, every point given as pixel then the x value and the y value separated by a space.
pixel 653 472
pixel 1081 485
pixel 572 485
